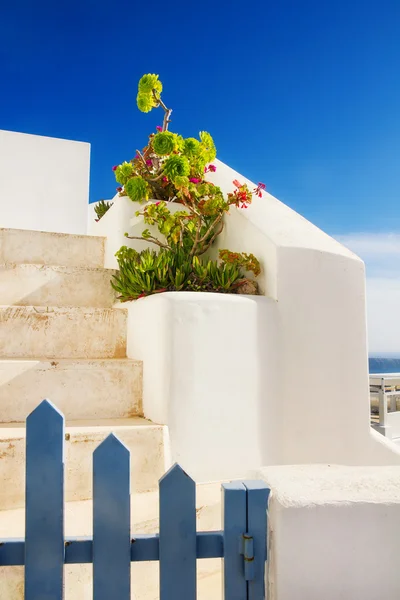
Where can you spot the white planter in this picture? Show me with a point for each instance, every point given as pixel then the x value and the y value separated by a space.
pixel 118 220
pixel 210 374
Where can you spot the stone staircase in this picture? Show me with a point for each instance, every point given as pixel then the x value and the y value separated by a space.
pixel 62 338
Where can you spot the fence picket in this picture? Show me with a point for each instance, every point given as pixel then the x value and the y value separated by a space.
pixel 177 547
pixel 44 504
pixel 242 544
pixel 111 521
pixel 257 503
pixel 234 523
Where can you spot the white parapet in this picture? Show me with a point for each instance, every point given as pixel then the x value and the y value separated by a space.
pixel 290 385
pixel 333 532
pixel 44 183
pixel 211 374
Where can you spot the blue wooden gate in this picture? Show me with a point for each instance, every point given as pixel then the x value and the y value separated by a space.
pixel 44 551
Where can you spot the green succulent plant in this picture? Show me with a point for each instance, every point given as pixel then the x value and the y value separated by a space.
pixel 123 172
pixel 169 169
pixel 101 208
pixel 137 189
pixel 163 143
pixel 176 166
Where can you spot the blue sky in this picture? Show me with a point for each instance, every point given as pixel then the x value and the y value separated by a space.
pixel 304 96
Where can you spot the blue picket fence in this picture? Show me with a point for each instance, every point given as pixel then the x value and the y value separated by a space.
pixel 242 544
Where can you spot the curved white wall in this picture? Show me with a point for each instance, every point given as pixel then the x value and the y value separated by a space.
pixel 44 183
pixel 319 286
pixel 311 400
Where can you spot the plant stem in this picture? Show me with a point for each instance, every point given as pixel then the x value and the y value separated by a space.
pixel 142 159
pixel 212 240
pixel 166 110
pixel 151 239
pixel 209 230
pixel 196 239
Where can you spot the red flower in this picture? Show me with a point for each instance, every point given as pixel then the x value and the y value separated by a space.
pixel 115 168
pixel 212 168
pixel 159 128
pixel 237 183
pixel 157 203
pixel 195 180
pixel 149 163
pixel 119 189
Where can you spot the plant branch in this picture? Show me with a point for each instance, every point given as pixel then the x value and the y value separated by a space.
pixel 158 177
pixel 166 110
pixel 212 240
pixel 142 159
pixel 196 239
pixel 151 239
pixel 209 230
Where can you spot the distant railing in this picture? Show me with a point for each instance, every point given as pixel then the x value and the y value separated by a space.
pixel 385 389
pixel 44 551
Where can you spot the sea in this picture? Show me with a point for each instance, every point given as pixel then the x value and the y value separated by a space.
pixel 385 363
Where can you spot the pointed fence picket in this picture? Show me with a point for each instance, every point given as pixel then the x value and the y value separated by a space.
pixel 242 544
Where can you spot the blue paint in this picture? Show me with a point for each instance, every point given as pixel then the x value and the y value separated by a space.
pixel 242 543
pixel 234 524
pixel 44 511
pixel 78 551
pixel 257 504
pixel 111 521
pixel 177 536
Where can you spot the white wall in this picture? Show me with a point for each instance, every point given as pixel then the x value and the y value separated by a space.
pixel 319 286
pixel 210 372
pixel 333 532
pixel 314 330
pixel 44 183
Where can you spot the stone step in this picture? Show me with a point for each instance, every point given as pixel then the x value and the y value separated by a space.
pixel 42 285
pixel 81 389
pixel 145 440
pixel 51 332
pixel 144 520
pixel 39 247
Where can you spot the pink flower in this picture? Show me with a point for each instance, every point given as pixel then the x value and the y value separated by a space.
pixel 159 128
pixel 157 203
pixel 195 180
pixel 164 178
pixel 237 183
pixel 212 168
pixel 149 163
pixel 119 189
pixel 261 186
pixel 115 168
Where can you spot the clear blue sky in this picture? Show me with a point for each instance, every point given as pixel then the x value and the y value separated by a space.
pixel 302 95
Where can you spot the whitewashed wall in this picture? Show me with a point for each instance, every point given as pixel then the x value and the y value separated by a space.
pixel 44 183
pixel 333 532
pixel 305 398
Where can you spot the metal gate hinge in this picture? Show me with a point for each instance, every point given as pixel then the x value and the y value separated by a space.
pixel 246 549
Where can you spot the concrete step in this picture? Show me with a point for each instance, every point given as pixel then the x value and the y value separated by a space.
pixel 42 285
pixel 39 247
pixel 145 440
pixel 144 519
pixel 81 389
pixel 50 332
